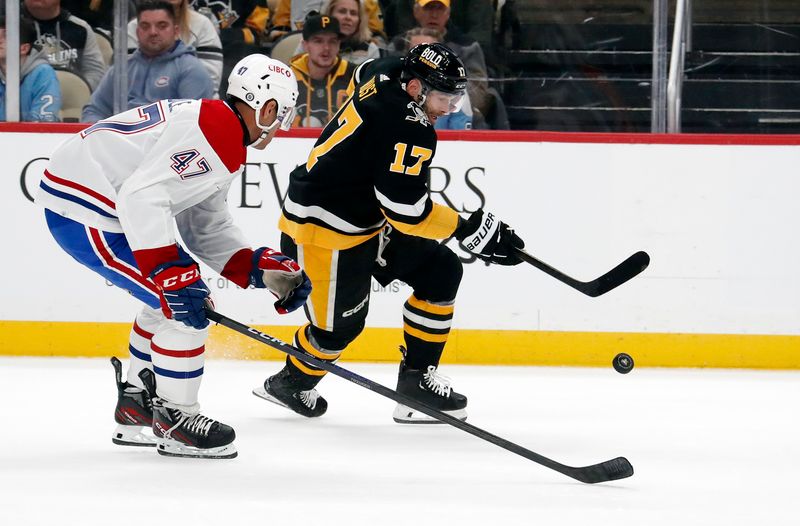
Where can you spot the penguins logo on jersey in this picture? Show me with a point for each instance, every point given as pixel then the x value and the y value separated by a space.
pixel 418 114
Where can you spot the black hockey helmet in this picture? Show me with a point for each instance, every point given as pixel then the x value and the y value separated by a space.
pixel 437 66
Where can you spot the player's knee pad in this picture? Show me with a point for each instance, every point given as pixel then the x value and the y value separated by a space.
pixel 150 319
pixel 441 277
pixel 337 339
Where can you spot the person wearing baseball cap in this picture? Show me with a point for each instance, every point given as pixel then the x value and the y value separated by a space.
pixel 322 75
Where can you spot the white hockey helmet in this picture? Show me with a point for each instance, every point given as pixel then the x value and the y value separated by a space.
pixel 257 79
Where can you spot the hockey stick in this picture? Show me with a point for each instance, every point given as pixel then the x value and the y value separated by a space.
pixel 617 468
pixel 612 279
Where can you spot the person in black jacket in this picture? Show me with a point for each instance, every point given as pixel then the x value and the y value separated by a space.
pixel 68 41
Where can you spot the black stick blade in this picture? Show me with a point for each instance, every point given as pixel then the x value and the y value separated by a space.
pixel 630 268
pixel 615 469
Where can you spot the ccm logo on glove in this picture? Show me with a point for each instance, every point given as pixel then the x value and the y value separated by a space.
pixel 180 280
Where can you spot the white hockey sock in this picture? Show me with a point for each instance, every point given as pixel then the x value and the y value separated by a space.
pixel 178 354
pixel 146 324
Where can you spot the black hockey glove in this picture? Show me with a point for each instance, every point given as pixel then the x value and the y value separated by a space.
pixel 489 238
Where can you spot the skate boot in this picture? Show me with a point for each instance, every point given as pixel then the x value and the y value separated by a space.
pixel 294 391
pixel 134 413
pixel 181 431
pixel 431 389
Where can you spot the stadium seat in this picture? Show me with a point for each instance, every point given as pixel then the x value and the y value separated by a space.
pixel 284 49
pixel 75 94
pixel 106 48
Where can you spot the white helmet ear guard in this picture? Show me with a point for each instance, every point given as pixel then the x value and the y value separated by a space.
pixel 257 79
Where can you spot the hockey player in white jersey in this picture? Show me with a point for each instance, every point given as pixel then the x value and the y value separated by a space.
pixel 113 196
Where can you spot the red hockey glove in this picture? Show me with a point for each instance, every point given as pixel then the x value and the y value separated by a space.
pixel 282 276
pixel 183 292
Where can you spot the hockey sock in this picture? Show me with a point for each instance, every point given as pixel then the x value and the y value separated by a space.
pixel 178 354
pixel 426 326
pixel 146 324
pixel 308 343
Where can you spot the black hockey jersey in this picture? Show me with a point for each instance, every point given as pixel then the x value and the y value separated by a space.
pixel 369 165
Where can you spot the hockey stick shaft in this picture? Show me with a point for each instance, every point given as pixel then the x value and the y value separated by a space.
pixel 610 470
pixel 630 268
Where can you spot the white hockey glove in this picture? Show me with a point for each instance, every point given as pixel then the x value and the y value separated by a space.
pixel 489 238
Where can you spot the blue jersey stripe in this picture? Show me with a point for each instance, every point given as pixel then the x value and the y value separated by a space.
pixel 75 199
pixel 178 374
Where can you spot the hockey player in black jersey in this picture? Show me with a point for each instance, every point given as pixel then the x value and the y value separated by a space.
pixel 359 208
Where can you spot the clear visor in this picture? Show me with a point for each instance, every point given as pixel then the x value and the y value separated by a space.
pixel 287 118
pixel 446 103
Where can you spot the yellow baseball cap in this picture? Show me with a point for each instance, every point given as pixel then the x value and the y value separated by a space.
pixel 423 3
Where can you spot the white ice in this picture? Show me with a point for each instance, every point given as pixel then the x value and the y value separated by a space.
pixel 709 447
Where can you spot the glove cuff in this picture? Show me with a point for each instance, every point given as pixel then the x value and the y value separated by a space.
pixel 238 268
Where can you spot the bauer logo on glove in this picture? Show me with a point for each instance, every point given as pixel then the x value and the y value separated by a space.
pixel 485 233
pixel 489 238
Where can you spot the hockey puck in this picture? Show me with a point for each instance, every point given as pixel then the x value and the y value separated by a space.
pixel 623 363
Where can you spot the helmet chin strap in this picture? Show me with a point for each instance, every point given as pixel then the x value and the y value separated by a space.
pixel 265 130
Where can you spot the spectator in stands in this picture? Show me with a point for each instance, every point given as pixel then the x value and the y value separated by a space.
pixel 290 14
pixel 242 26
pixel 435 14
pixel 322 76
pixel 357 45
pixel 162 68
pixel 195 31
pixel 39 93
pixel 472 17
pixel 68 42
pixel 456 120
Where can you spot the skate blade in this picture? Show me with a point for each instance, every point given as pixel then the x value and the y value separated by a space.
pixel 262 393
pixel 406 415
pixel 173 448
pixel 132 436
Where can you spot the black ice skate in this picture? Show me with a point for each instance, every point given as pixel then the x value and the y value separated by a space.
pixel 183 433
pixel 293 391
pixel 430 388
pixel 134 413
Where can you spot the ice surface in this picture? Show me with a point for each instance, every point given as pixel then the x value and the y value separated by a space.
pixel 709 447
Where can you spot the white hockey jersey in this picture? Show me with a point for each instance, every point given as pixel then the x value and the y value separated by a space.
pixel 145 170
